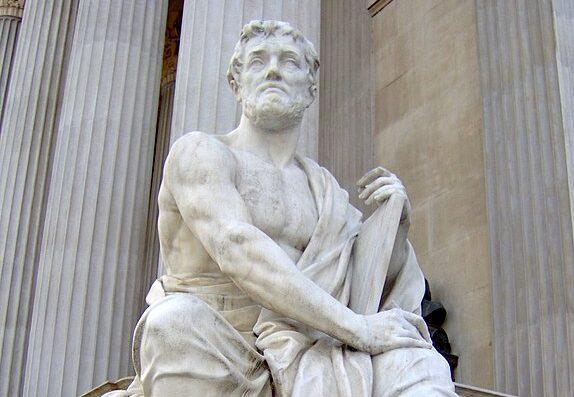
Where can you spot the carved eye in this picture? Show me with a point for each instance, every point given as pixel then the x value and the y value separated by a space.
pixel 291 63
pixel 256 63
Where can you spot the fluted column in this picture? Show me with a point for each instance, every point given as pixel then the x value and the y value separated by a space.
pixel 10 18
pixel 154 266
pixel 152 257
pixel 27 133
pixel 88 293
pixel 203 100
pixel 347 84
pixel 525 53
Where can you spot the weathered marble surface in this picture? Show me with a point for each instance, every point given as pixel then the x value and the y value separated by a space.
pixel 28 129
pixel 526 53
pixel 202 99
pixel 122 384
pixel 89 291
pixel 266 259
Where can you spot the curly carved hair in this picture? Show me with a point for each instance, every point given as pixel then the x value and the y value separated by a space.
pixel 265 29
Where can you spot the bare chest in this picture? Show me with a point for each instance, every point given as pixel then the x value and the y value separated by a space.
pixel 279 200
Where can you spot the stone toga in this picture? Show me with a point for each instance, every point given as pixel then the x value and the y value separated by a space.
pixel 206 335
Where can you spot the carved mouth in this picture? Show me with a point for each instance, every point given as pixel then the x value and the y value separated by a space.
pixel 273 87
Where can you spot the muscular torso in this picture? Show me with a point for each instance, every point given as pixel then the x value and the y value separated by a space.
pixel 279 201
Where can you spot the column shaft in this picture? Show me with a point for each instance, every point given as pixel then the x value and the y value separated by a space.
pixel 203 100
pixel 154 266
pixel 346 135
pixel 529 193
pixel 152 256
pixel 89 293
pixel 27 133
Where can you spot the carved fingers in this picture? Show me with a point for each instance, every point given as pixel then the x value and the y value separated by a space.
pixel 396 328
pixel 419 324
pixel 378 185
pixel 406 342
pixel 372 175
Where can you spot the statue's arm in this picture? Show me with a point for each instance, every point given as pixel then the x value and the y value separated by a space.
pixel 200 174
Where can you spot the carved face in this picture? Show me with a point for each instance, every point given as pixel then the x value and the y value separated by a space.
pixel 274 87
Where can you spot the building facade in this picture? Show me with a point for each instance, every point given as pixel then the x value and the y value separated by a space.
pixel 470 102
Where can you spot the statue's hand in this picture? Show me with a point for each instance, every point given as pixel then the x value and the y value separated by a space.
pixel 393 329
pixel 378 185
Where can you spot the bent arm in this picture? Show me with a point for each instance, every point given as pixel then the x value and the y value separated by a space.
pixel 200 173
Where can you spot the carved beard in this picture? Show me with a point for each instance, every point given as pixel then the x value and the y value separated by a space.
pixel 273 112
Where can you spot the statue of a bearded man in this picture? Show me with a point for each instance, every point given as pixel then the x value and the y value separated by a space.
pixel 258 244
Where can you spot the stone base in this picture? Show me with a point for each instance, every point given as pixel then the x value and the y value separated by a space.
pixel 122 384
pixel 470 391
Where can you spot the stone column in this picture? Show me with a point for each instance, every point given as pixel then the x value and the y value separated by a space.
pixel 346 135
pixel 203 100
pixel 526 62
pixel 154 267
pixel 10 18
pixel 152 258
pixel 88 294
pixel 28 125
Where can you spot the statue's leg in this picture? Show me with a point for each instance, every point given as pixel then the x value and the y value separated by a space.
pixel 411 372
pixel 188 349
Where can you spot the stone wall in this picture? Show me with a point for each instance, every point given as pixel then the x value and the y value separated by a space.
pixel 428 130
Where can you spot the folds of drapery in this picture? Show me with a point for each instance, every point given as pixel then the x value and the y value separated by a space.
pixel 301 360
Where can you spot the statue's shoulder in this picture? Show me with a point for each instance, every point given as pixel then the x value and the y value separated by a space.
pixel 307 161
pixel 197 153
pixel 312 165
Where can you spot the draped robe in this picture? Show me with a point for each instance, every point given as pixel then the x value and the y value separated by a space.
pixel 269 354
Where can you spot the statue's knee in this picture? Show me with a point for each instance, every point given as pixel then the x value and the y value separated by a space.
pixel 176 315
pixel 415 360
pixel 412 372
pixel 433 360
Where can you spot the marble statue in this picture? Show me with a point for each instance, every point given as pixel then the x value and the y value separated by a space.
pixel 274 287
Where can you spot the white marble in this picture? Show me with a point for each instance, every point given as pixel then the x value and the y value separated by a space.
pixel 89 290
pixel 266 260
pixel 203 100
pixel 152 261
pixel 526 61
pixel 27 133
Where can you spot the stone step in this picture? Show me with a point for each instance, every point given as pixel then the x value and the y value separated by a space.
pixel 471 391
pixel 122 384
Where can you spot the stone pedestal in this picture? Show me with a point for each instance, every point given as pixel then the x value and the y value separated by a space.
pixel 27 133
pixel 10 18
pixel 203 100
pixel 526 63
pixel 89 287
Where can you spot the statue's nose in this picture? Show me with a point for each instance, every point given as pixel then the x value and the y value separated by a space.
pixel 273 71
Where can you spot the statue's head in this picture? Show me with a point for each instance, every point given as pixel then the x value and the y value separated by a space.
pixel 273 73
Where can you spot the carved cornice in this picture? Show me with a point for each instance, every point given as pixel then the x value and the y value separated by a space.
pixel 12 8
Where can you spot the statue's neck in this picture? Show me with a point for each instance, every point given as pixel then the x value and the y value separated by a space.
pixel 277 146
